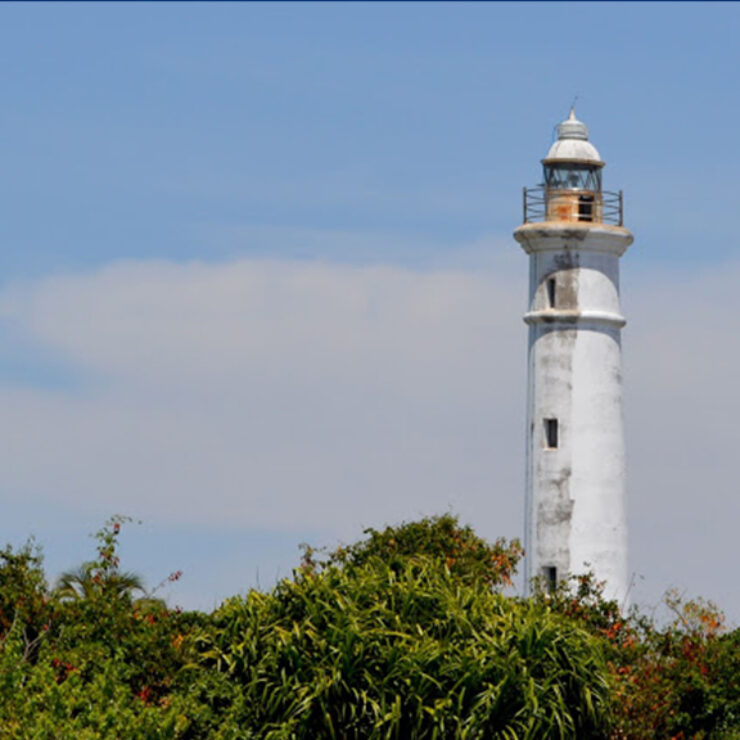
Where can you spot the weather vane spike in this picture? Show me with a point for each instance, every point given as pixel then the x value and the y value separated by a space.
pixel 573 105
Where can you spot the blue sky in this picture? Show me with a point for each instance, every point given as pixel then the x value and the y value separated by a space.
pixel 133 131
pixel 258 286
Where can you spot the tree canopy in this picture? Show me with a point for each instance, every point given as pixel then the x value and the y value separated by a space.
pixel 408 633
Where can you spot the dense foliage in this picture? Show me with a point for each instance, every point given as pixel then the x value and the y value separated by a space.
pixel 404 634
pixel 469 558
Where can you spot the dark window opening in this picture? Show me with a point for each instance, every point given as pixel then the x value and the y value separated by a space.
pixel 551 292
pixel 550 574
pixel 585 207
pixel 551 434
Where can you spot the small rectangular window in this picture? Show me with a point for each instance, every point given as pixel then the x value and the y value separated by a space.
pixel 551 292
pixel 551 434
pixel 550 575
pixel 585 208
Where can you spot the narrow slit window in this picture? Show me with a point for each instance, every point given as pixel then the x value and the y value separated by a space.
pixel 551 292
pixel 550 574
pixel 551 434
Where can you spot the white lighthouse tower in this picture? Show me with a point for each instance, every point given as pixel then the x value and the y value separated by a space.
pixel 575 487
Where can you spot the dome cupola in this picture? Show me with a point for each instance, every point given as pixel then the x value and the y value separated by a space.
pixel 572 144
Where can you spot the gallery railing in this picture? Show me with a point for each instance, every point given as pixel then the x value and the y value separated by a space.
pixel 542 204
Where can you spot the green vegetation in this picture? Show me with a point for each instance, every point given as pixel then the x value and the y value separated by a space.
pixel 405 635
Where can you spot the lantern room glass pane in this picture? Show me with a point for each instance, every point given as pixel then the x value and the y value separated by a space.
pixel 571 176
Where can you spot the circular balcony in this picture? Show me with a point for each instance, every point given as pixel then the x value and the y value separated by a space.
pixel 543 204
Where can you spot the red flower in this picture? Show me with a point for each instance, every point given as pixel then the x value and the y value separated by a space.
pixel 145 694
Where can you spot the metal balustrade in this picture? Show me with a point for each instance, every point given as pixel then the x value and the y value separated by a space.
pixel 546 204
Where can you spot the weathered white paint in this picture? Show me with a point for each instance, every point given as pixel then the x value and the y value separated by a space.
pixel 573 151
pixel 575 494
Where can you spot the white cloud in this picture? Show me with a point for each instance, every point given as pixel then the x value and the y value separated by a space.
pixel 298 395
pixel 273 394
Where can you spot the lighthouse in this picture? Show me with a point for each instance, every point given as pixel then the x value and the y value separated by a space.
pixel 573 232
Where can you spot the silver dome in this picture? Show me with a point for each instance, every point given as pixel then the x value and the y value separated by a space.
pixel 572 144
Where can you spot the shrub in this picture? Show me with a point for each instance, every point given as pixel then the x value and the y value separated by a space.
pixel 404 651
pixel 401 635
pixel 470 558
pixel 677 680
